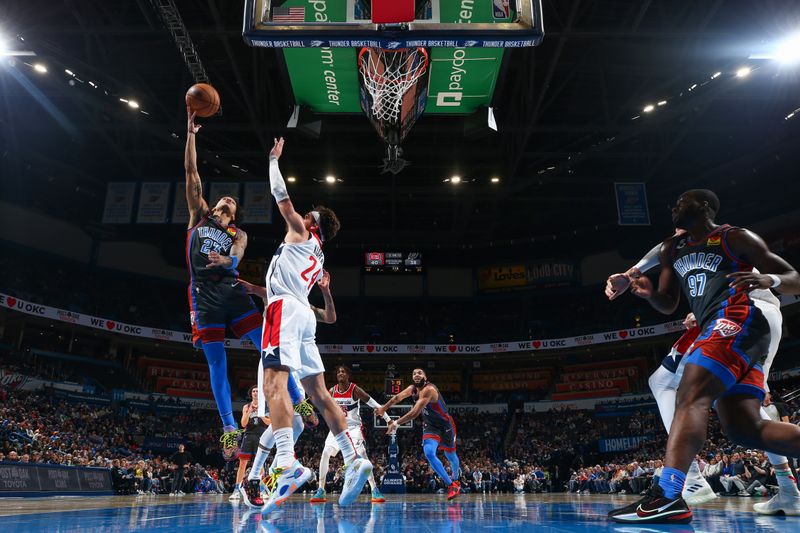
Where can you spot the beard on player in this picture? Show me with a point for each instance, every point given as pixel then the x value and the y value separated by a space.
pixel 693 207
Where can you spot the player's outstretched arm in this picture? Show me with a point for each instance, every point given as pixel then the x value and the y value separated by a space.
pixel 397 398
pixel 665 299
pixel 362 395
pixel 617 284
pixel 328 314
pixel 277 186
pixel 255 290
pixel 774 271
pixel 426 396
pixel 194 187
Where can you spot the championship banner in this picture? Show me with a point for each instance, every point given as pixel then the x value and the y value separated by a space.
pixel 119 202
pixel 257 203
pixel 180 209
pixel 632 204
pixel 223 188
pixel 591 339
pixel 153 201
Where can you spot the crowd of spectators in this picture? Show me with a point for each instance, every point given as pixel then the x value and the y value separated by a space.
pixel 528 452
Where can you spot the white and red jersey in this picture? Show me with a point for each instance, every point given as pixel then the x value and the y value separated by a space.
pixel 349 404
pixel 294 269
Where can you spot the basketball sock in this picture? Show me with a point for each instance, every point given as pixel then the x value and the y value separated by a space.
pixel 671 482
pixel 324 462
pixel 372 484
pixel 346 445
pixel 455 464
pixel 218 372
pixel 429 446
pixel 295 395
pixel 663 386
pixel 284 442
pixel 786 481
pixel 260 458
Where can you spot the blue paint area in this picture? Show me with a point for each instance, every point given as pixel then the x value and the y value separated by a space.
pixel 468 514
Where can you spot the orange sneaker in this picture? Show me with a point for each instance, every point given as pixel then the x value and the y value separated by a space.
pixel 453 490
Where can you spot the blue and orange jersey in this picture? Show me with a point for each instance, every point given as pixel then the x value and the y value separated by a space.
pixel 702 269
pixel 435 413
pixel 206 237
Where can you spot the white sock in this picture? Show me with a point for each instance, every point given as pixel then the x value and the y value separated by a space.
pixel 265 444
pixel 284 442
pixel 663 384
pixel 371 480
pixel 346 445
pixel 324 462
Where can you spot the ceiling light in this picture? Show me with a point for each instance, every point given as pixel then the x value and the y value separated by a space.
pixel 716 75
pixel 68 71
pixel 662 102
pixel 648 108
pixel 330 179
pixel 455 179
pixel 495 180
pixel 38 67
pixel 789 50
pixel 291 179
pixel 123 100
pixel 743 72
pixel 134 104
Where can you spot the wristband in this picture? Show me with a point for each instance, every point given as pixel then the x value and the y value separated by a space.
pixel 776 280
pixel 234 263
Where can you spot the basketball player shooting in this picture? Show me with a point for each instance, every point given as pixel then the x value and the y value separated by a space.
pixel 214 248
pixel 438 427
pixel 713 265
pixel 348 397
pixel 289 342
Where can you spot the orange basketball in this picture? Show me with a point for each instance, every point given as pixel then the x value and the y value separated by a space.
pixel 203 99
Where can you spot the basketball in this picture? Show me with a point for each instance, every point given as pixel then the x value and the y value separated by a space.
pixel 203 99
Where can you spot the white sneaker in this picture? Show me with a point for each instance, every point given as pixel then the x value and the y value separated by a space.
pixel 289 480
pixel 355 475
pixel 172 494
pixel 235 496
pixel 697 490
pixel 790 505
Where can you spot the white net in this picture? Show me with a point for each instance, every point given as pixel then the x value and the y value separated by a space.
pixel 388 75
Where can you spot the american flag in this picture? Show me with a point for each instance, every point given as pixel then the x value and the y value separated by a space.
pixel 288 14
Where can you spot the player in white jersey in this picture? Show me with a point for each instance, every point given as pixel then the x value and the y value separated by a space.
pixel 665 380
pixel 289 343
pixel 348 396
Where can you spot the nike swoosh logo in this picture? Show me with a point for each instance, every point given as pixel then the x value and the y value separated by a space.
pixel 643 512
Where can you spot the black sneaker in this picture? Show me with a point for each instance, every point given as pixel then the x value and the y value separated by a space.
pixel 654 508
pixel 252 493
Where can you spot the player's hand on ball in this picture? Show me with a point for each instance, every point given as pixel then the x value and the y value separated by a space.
pixel 216 260
pixel 191 127
pixel 616 285
pixel 642 287
pixel 277 149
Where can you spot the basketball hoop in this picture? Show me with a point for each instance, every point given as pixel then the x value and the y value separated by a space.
pixel 388 75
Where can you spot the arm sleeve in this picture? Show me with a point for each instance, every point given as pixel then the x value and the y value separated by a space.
pixel 276 184
pixel 648 262
pixel 372 403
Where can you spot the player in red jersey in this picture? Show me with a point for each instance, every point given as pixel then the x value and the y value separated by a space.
pixel 438 427
pixel 713 266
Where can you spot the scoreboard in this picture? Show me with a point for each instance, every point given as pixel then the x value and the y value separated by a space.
pixel 393 386
pixel 393 262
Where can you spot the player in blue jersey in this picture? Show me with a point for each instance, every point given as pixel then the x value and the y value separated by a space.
pixel 714 266
pixel 438 427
